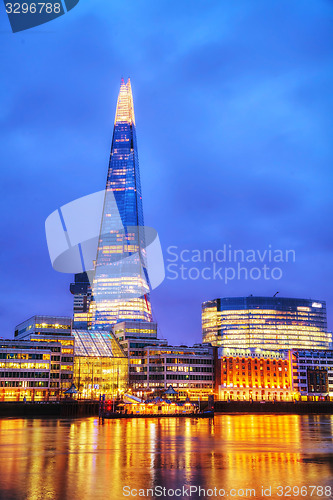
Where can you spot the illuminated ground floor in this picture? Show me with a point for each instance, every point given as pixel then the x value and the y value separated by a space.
pixel 253 394
pixel 21 394
pixel 95 375
pixel 314 397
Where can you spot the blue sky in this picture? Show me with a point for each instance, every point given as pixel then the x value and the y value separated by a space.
pixel 233 107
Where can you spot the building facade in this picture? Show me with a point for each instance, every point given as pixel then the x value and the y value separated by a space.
pixel 47 330
pixel 93 360
pixel 34 370
pixel 81 291
pixel 312 374
pixel 44 325
pixel 133 335
pixel 101 367
pixel 273 375
pixel 189 370
pixel 253 374
pixel 266 322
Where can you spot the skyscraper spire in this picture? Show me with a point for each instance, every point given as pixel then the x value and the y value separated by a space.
pixel 125 109
pixel 120 289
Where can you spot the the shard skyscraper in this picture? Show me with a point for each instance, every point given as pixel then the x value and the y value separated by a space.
pixel 120 286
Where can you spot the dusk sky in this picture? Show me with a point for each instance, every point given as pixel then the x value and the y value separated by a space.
pixel 233 105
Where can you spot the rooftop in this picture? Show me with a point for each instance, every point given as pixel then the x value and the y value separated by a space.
pixel 96 344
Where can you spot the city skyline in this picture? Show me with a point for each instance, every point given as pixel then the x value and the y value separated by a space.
pixel 166 200
pixel 237 153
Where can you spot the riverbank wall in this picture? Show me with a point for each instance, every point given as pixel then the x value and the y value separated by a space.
pixel 76 409
pixel 61 409
pixel 299 407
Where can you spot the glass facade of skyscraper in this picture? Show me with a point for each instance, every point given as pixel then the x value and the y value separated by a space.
pixel 120 289
pixel 266 322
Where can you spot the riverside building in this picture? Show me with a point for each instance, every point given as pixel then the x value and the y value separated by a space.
pixel 93 360
pixel 154 365
pixel 312 374
pixel 189 370
pixel 253 374
pixel 273 375
pixel 265 322
pixel 100 365
pixel 33 370
pixel 47 330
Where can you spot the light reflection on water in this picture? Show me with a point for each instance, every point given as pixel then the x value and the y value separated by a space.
pixel 80 459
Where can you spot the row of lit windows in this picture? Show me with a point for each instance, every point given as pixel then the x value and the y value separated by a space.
pixel 29 366
pixel 256 386
pixel 256 368
pixel 189 377
pixel 254 360
pixel 16 383
pixel 56 326
pixel 24 374
pixel 17 355
pixel 63 342
pixel 195 386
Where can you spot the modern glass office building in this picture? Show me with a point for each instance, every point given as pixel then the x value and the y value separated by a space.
pixel 94 360
pixel 266 322
pixel 43 325
pixel 136 334
pixel 120 289
pixel 100 365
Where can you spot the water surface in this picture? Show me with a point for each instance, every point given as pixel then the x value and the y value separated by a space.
pixel 80 459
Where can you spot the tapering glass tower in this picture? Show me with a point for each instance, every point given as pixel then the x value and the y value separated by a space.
pixel 120 288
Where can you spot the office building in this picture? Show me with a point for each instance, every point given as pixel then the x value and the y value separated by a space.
pixel 189 370
pixel 266 322
pixel 43 325
pixel 312 374
pixel 120 289
pixel 47 330
pixel 93 360
pixel 133 335
pixel 81 291
pixel 34 370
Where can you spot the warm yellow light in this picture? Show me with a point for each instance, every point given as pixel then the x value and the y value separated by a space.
pixel 125 109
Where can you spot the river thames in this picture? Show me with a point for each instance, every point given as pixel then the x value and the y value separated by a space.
pixel 232 455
